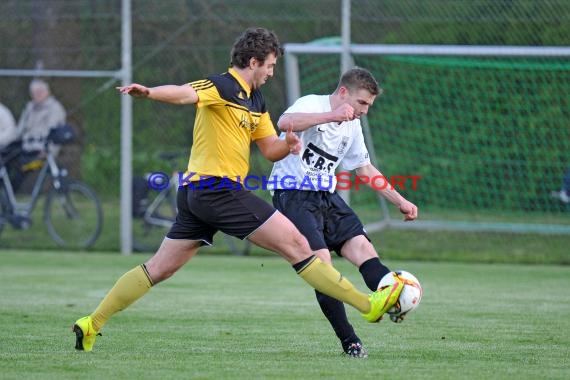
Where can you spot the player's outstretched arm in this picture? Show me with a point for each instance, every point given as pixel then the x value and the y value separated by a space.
pixel 170 93
pixel 406 207
pixel 302 121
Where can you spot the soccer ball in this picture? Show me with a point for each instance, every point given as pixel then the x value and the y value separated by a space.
pixel 409 298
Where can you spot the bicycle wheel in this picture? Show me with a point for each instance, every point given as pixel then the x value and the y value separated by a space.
pixel 150 229
pixel 73 215
pixel 147 237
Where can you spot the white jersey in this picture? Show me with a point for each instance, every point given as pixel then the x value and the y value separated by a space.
pixel 325 147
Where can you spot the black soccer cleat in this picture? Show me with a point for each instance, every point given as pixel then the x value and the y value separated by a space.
pixel 355 350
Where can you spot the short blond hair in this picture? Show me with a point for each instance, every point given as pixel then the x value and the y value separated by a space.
pixel 358 78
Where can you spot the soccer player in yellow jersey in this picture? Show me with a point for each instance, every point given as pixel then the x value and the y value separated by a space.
pixel 231 112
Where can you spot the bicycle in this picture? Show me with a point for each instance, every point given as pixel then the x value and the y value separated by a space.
pixel 154 212
pixel 72 212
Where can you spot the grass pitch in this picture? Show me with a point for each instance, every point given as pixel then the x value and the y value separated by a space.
pixel 228 317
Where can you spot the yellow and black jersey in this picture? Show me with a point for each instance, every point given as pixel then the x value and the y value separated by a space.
pixel 229 117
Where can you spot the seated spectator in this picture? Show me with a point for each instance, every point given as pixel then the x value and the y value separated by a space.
pixel 40 115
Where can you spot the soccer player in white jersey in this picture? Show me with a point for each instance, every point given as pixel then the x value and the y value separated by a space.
pixel 303 186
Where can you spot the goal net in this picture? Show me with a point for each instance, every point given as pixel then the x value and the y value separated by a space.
pixel 485 131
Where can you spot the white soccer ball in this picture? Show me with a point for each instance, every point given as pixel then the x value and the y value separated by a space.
pixel 409 298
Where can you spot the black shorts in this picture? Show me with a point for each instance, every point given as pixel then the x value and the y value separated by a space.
pixel 203 212
pixel 323 218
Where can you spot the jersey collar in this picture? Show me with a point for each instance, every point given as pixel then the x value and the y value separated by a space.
pixel 240 80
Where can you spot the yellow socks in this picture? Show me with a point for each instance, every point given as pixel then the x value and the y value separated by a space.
pixel 326 279
pixel 130 287
pixel 136 283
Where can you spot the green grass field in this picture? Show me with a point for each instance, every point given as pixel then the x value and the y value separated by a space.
pixel 228 317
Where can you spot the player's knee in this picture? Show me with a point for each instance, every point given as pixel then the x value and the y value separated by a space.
pixel 358 250
pixel 300 243
pixel 297 247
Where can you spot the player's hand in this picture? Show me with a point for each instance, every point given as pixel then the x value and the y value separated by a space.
pixel 344 112
pixel 293 141
pixel 409 210
pixel 135 90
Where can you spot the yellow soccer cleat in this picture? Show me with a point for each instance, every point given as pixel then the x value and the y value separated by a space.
pixel 85 334
pixel 383 299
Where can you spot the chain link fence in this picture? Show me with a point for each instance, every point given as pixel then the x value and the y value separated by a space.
pixel 176 41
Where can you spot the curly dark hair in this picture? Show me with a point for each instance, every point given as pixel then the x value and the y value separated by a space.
pixel 255 43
